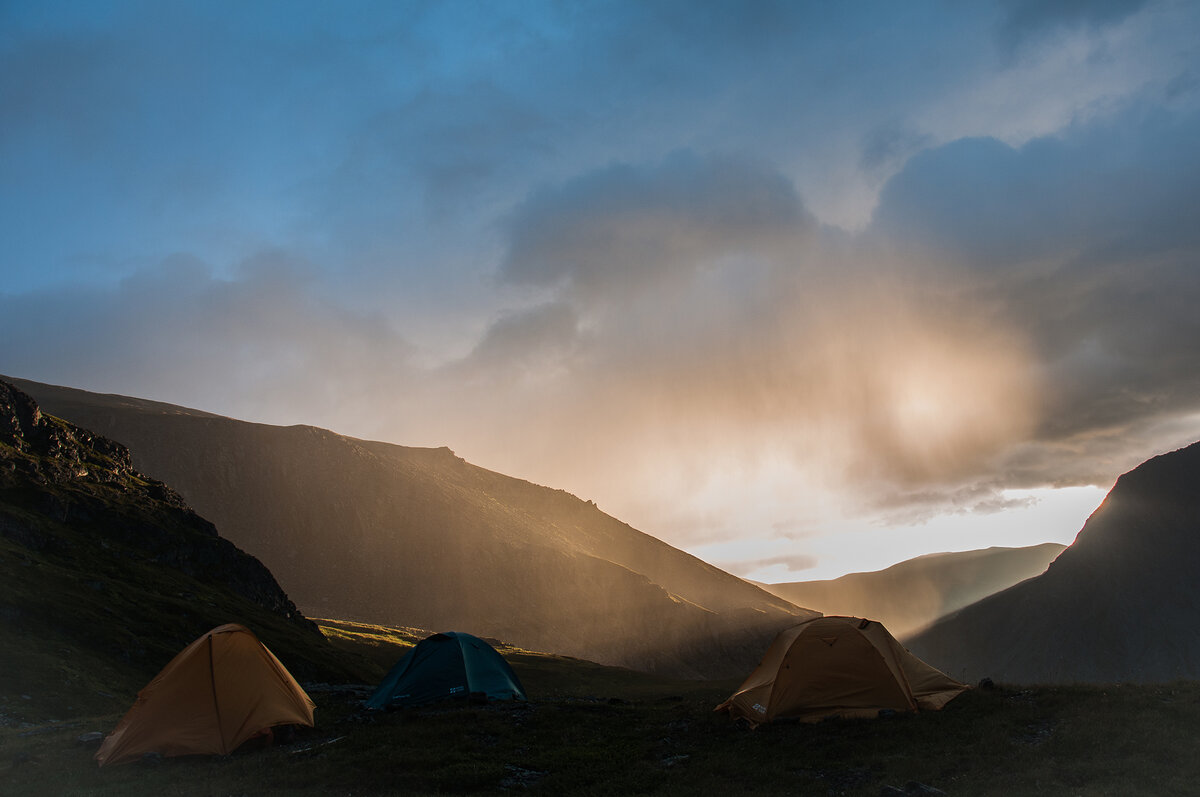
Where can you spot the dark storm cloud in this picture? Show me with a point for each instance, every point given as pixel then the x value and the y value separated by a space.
pixel 625 228
pixel 1090 241
pixel 1123 186
pixel 541 337
pixel 1025 18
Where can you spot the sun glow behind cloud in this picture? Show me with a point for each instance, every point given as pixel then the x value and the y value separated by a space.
pixel 701 415
pixel 590 244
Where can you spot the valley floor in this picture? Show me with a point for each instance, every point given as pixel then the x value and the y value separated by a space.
pixel 1124 741
pixel 593 730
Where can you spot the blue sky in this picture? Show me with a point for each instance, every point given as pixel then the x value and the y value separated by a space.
pixel 804 288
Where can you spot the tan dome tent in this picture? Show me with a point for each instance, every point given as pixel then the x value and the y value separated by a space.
pixel 838 667
pixel 221 690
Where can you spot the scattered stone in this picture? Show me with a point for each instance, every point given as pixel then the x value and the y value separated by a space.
pixel 521 778
pixel 91 737
pixel 911 789
pixel 672 760
pixel 313 746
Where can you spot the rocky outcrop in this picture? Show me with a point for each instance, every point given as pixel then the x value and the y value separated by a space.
pixel 74 478
pixel 47 452
pixel 115 564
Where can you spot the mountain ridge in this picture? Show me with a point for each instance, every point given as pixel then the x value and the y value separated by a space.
pixel 914 593
pixel 372 531
pixel 1118 605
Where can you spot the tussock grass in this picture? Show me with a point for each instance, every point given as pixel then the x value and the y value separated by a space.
pixel 594 730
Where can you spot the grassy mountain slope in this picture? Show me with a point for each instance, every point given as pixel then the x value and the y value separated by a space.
pixel 105 574
pixel 910 595
pixel 1121 604
pixel 383 533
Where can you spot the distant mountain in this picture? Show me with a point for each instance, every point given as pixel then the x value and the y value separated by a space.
pixel 910 595
pixel 1121 604
pixel 105 574
pixel 383 533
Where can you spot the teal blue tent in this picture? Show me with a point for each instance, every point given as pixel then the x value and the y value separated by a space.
pixel 443 666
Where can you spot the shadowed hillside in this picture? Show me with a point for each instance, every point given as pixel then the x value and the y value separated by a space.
pixel 106 574
pixel 910 595
pixel 1120 604
pixel 383 533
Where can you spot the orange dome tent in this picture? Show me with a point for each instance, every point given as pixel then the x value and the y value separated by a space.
pixel 838 667
pixel 221 690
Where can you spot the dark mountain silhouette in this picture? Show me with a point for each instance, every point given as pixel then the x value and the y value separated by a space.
pixel 384 533
pixel 910 595
pixel 1121 604
pixel 105 574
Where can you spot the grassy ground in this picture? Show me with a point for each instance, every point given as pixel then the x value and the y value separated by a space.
pixel 598 730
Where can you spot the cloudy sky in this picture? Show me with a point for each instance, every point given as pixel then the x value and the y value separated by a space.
pixel 803 288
